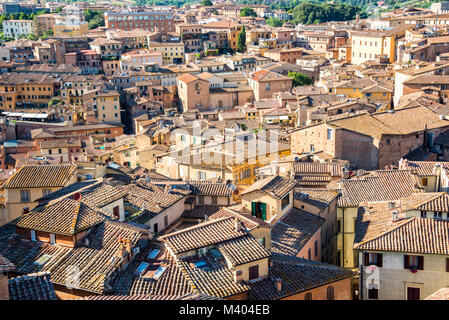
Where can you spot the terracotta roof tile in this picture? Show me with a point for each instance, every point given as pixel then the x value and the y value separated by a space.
pixel 41 176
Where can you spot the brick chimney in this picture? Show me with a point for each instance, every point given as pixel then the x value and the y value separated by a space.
pixel 278 284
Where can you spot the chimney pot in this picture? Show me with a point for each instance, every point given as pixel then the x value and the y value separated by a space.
pixel 278 284
pixel 26 210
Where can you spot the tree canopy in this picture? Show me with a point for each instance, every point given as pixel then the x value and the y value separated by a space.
pixel 94 19
pixel 309 13
pixel 248 12
pixel 241 40
pixel 274 22
pixel 206 3
pixel 299 79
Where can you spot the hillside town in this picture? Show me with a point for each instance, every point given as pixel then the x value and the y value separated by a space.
pixel 223 151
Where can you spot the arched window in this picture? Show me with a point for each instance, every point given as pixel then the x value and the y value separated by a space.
pixel 308 296
pixel 330 293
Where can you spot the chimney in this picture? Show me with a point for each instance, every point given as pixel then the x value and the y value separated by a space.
pixel 128 246
pixel 278 284
pixel 26 210
pixel 394 214
pixel 238 276
pixel 121 251
pixel 271 263
pixel 237 225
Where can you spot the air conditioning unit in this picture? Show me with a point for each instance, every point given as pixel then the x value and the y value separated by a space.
pixel 202 251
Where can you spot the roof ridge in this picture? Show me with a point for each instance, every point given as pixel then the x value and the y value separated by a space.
pixel 198 226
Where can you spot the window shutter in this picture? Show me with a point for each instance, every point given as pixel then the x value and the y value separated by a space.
pixel 366 259
pixel 379 259
pixel 406 262
pixel 447 264
pixel 420 263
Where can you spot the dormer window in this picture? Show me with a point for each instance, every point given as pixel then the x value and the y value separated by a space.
pixel 438 215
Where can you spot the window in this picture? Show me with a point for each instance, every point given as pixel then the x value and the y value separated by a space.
pixel 373 293
pixel 214 200
pixel 414 262
pixel 46 192
pixel 52 239
pixel 165 221
pixel 329 134
pixel 370 259
pixel 253 272
pixel 285 201
pixel 424 182
pixel 423 214
pixel 413 293
pixel 312 148
pixel 316 248
pixel 116 211
pixel 155 228
pixel 438 215
pixel 25 195
pixel 388 142
pixel 308 296
pixel 330 293
pixel 33 235
pixel 309 254
pixel 200 199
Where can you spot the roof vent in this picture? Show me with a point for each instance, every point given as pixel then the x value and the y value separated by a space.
pixel 77 196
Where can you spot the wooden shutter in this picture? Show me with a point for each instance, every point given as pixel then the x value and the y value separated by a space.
pixel 406 262
pixel 253 208
pixel 366 259
pixel 420 263
pixel 447 264
pixel 379 259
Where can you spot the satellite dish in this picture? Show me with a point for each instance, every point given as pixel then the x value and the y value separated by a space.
pixel 232 187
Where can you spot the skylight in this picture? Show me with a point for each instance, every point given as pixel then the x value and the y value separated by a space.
pixel 159 272
pixel 43 259
pixel 200 264
pixel 153 254
pixel 142 267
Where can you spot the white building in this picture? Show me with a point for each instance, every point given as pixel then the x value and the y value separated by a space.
pixel 17 28
pixel 403 247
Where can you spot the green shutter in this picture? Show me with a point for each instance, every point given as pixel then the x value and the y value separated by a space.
pixel 253 208
pixel 264 211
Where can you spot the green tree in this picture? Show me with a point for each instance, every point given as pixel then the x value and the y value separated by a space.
pixel 241 40
pixel 54 102
pixel 206 3
pixel 299 79
pixel 274 22
pixel 248 12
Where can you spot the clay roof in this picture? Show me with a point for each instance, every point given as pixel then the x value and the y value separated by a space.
pixel 202 235
pixel 41 176
pixel 275 186
pixel 377 231
pixel 67 217
pixel 297 275
pixel 380 185
pixel 293 231
pixel 266 75
pixel 35 286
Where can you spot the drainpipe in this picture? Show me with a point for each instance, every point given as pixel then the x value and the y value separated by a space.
pixel 361 277
pixel 343 238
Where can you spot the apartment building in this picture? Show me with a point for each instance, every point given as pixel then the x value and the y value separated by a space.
pixel 149 21
pixel 17 28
